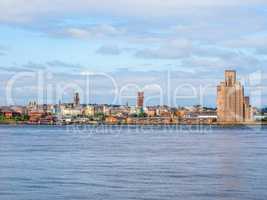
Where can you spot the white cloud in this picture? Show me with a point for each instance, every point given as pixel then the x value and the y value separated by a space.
pixel 22 11
pixel 257 42
pixel 242 62
pixel 251 41
pixel 173 49
pixel 90 32
pixel 76 32
pixel 109 50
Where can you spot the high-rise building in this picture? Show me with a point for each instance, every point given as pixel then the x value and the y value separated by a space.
pixel 232 105
pixel 247 109
pixel 76 99
pixel 140 99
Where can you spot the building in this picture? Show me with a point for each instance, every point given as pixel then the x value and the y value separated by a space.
pixel 22 110
pixel 149 120
pixel 76 99
pixel 71 112
pixel 232 105
pixel 247 110
pixel 163 111
pixel 140 100
pixel 207 116
pixel 35 116
pixel 201 117
pixel 89 110
pixel 32 106
pixel 8 113
pixel 151 111
pixel 111 120
pixel 119 111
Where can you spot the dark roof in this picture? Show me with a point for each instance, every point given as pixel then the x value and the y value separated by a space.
pixel 5 109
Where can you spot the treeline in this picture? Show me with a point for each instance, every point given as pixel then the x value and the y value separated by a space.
pixel 14 118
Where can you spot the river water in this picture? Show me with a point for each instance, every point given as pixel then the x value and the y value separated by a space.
pixel 120 163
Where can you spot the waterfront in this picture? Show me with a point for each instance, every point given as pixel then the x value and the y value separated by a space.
pixel 81 162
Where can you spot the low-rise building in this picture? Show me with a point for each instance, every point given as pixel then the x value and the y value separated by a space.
pixel 111 120
pixel 200 117
pixel 151 111
pixel 89 110
pixel 35 116
pixel 8 113
pixel 71 111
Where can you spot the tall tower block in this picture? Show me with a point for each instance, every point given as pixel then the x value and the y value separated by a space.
pixel 140 99
pixel 76 99
pixel 232 106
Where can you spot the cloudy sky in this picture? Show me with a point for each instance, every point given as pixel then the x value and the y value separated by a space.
pixel 168 48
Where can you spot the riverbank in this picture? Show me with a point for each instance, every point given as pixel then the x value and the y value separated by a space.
pixel 10 122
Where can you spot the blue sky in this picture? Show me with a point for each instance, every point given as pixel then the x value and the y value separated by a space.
pixel 136 42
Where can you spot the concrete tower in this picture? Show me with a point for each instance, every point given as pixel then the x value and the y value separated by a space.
pixel 232 106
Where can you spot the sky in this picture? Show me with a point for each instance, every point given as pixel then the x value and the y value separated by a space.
pixel 174 50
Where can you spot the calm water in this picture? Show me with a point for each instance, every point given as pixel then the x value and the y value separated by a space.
pixel 119 164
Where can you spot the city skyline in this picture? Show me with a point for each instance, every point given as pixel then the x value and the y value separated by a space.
pixel 230 95
pixel 193 41
pixel 126 95
pixel 233 107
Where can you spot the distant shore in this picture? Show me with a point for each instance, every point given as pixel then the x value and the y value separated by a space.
pixel 137 124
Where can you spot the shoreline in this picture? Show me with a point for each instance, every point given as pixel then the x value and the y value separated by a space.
pixel 136 124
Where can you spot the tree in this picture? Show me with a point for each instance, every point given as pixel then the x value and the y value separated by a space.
pixel 142 114
pixel 2 117
pixel 100 116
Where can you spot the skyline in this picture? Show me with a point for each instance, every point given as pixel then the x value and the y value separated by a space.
pixel 232 84
pixel 195 41
pixel 233 107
